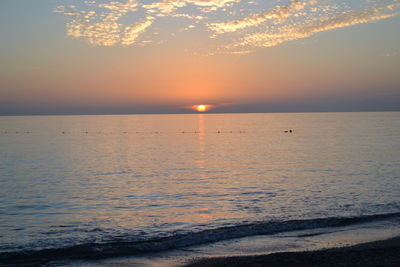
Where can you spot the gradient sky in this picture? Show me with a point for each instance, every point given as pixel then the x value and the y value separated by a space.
pixel 149 56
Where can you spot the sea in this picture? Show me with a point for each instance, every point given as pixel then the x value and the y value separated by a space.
pixel 101 186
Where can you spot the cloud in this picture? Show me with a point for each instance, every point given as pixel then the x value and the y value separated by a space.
pixel 277 13
pixel 251 24
pixel 103 28
pixel 168 6
pixel 188 16
pixel 242 52
pixel 131 33
pixel 212 3
pixel 313 26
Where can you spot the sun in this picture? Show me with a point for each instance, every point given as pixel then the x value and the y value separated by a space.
pixel 201 108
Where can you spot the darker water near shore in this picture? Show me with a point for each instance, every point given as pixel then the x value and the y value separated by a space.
pixel 119 248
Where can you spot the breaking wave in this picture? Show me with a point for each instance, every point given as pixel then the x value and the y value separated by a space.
pixel 181 240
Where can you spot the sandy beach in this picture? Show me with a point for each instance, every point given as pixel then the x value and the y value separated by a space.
pixel 378 253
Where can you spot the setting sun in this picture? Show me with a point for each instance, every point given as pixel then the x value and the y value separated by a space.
pixel 201 108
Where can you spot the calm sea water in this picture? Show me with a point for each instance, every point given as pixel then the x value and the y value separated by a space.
pixel 177 180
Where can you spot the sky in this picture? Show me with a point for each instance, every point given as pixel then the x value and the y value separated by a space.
pixel 165 56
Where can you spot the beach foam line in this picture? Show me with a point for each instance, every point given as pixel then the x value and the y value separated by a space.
pixel 118 248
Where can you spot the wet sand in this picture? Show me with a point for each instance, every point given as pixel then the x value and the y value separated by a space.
pixel 378 253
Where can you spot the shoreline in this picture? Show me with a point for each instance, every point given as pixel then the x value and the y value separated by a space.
pixel 244 251
pixel 377 253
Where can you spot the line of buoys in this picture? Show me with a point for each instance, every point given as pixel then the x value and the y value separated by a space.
pixel 17 132
pixel 195 132
pixel 230 132
pixel 156 132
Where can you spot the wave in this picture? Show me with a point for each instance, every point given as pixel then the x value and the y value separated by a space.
pixel 127 248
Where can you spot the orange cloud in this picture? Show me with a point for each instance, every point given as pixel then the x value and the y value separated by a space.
pixel 313 26
pixel 103 24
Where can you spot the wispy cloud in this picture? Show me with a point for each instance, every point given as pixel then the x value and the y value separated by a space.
pixel 249 24
pixel 168 6
pixel 102 27
pixel 131 33
pixel 314 25
pixel 278 13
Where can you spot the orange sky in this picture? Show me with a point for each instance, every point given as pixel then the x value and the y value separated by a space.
pixel 66 60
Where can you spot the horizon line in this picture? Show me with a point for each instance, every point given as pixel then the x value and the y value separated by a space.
pixel 193 113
